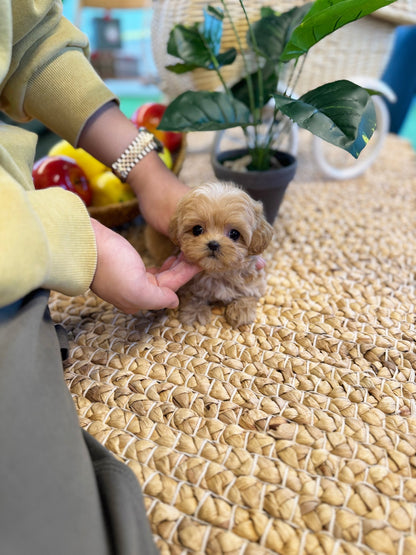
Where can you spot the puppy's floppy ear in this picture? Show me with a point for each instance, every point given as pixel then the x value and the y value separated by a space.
pixel 174 229
pixel 263 231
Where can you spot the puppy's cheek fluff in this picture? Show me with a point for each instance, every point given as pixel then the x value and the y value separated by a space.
pixel 228 257
pixel 233 254
pixel 194 251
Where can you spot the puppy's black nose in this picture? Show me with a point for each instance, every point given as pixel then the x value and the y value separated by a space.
pixel 214 246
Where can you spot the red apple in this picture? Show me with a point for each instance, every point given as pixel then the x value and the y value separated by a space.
pixel 61 171
pixel 149 115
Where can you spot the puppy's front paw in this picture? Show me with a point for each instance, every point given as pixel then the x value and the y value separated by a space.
pixel 241 311
pixel 191 313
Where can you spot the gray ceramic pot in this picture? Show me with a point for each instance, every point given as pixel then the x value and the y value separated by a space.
pixel 268 186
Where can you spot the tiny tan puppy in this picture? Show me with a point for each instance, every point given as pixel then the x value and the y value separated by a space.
pixel 220 228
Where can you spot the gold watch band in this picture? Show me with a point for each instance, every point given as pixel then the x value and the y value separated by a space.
pixel 143 143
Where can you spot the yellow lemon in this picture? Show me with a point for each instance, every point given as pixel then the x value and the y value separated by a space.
pixel 85 161
pixel 166 156
pixel 108 189
pixel 62 148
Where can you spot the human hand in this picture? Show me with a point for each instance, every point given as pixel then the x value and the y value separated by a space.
pixel 121 277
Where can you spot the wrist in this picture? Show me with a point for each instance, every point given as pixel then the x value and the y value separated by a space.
pixel 158 191
pixel 150 168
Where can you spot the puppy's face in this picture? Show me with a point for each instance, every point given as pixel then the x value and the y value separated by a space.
pixel 217 226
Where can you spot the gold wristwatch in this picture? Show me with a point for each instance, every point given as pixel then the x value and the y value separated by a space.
pixel 144 143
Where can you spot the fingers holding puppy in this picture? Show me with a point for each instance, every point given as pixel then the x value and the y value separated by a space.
pixel 174 272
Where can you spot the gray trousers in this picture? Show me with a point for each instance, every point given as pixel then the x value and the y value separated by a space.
pixel 61 492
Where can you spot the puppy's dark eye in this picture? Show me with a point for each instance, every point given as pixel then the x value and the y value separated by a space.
pixel 234 235
pixel 197 230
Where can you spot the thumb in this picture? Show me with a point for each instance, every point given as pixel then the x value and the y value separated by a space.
pixel 167 298
pixel 159 297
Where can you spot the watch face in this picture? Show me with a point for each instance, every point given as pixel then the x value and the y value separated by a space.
pixel 159 144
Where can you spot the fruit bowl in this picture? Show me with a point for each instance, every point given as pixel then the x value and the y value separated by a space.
pixel 114 215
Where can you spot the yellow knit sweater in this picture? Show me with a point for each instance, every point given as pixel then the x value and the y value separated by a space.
pixel 46 239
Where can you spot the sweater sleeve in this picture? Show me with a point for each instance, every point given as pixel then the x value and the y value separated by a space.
pixel 46 236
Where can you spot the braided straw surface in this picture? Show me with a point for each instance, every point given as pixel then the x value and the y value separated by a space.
pixel 296 434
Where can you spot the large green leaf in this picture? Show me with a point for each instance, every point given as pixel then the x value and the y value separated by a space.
pixel 341 113
pixel 204 111
pixel 195 50
pixel 181 68
pixel 325 17
pixel 223 59
pixel 272 32
pixel 186 43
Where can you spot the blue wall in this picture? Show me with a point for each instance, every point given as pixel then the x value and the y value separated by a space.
pixel 135 31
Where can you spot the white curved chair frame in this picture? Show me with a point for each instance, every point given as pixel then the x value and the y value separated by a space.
pixel 375 144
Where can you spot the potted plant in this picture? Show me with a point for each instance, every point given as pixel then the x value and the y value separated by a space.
pixel 262 101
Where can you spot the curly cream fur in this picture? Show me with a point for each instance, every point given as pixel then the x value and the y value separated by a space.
pixel 229 275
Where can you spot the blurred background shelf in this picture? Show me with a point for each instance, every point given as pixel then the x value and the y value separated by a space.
pixel 127 65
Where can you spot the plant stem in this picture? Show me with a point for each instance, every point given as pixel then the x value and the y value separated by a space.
pixel 259 75
pixel 288 90
pixel 216 66
pixel 248 77
pixel 292 75
pixel 257 112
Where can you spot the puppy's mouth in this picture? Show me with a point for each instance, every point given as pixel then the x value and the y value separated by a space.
pixel 212 256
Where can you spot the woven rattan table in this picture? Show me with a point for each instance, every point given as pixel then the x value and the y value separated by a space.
pixel 294 435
